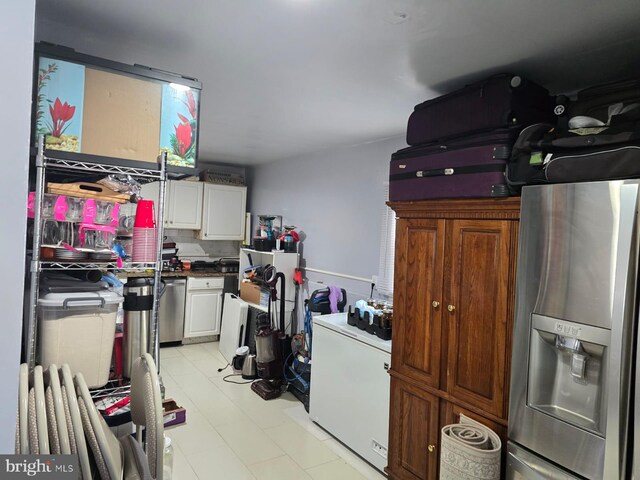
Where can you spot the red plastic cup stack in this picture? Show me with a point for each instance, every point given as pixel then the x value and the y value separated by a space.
pixel 145 233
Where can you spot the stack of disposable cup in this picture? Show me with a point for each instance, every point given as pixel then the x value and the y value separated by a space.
pixel 145 233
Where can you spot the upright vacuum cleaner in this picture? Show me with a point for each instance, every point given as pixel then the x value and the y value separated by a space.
pixel 272 343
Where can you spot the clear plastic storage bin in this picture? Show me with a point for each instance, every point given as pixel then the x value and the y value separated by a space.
pixel 79 329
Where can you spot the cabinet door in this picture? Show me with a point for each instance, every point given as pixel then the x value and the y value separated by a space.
pixel 202 314
pixel 413 433
pixel 476 295
pixel 184 205
pixel 417 299
pixel 223 215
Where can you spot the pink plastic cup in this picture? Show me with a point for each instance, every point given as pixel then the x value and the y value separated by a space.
pixel 145 215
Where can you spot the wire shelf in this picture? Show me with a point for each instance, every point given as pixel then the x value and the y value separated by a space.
pixel 65 164
pixel 129 267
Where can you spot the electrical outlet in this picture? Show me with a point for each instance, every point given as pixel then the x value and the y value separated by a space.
pixel 379 449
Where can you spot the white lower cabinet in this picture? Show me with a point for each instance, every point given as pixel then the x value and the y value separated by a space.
pixel 203 307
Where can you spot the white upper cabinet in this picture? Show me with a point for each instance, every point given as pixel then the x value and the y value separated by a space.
pixel 183 203
pixel 223 212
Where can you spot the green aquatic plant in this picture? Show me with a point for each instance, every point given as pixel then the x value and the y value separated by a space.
pixel 44 75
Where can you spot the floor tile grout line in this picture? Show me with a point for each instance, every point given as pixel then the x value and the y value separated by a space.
pixel 214 427
pixel 248 419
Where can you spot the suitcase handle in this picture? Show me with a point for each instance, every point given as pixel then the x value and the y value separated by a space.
pixel 435 173
pixel 442 172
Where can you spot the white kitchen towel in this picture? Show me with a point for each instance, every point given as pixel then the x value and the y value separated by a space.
pixel 469 451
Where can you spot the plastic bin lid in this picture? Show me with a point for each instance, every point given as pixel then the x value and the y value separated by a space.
pixel 80 299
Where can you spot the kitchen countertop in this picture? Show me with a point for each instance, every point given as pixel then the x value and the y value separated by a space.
pixel 177 274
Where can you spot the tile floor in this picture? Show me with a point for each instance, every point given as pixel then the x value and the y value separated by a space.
pixel 232 434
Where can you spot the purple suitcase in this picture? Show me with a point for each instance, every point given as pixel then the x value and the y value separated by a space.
pixel 472 166
pixel 498 102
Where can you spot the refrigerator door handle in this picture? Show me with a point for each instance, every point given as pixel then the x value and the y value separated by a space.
pixel 623 306
pixel 524 465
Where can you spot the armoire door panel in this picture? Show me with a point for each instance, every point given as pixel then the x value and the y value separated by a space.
pixel 476 295
pixel 413 443
pixel 417 319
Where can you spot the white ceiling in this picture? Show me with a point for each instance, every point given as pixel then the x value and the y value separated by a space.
pixel 282 78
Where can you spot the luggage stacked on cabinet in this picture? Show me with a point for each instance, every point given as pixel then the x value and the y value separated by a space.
pixel 461 142
pixel 596 137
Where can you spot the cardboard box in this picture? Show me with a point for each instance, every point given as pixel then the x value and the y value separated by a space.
pixel 253 293
pixel 173 413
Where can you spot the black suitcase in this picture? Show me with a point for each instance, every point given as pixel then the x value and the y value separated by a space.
pixel 543 154
pixel 600 102
pixel 497 102
pixel 472 166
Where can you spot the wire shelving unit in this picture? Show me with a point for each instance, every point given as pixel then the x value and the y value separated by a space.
pixel 46 161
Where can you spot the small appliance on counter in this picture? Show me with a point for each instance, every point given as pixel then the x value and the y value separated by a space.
pixel 268 229
pixel 169 250
pixel 202 266
pixel 289 239
pixel 228 265
pixel 223 265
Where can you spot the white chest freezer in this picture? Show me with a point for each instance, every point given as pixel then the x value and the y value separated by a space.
pixel 350 386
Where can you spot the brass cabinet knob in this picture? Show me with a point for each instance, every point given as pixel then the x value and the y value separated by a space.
pixel 435 304
pixel 451 308
pixel 431 448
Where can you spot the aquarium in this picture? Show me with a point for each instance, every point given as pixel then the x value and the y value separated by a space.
pixel 89 105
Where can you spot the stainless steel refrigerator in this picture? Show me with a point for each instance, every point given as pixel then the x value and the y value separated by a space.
pixel 574 338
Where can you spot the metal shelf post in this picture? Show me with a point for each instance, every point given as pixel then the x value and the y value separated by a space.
pixel 32 326
pixel 154 338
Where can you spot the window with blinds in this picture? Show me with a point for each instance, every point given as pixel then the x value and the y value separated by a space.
pixel 387 248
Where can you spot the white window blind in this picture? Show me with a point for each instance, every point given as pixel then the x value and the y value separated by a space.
pixel 387 248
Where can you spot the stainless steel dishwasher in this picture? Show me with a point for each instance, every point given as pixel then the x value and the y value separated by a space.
pixel 171 315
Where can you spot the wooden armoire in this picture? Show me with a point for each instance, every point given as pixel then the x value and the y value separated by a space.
pixel 454 294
